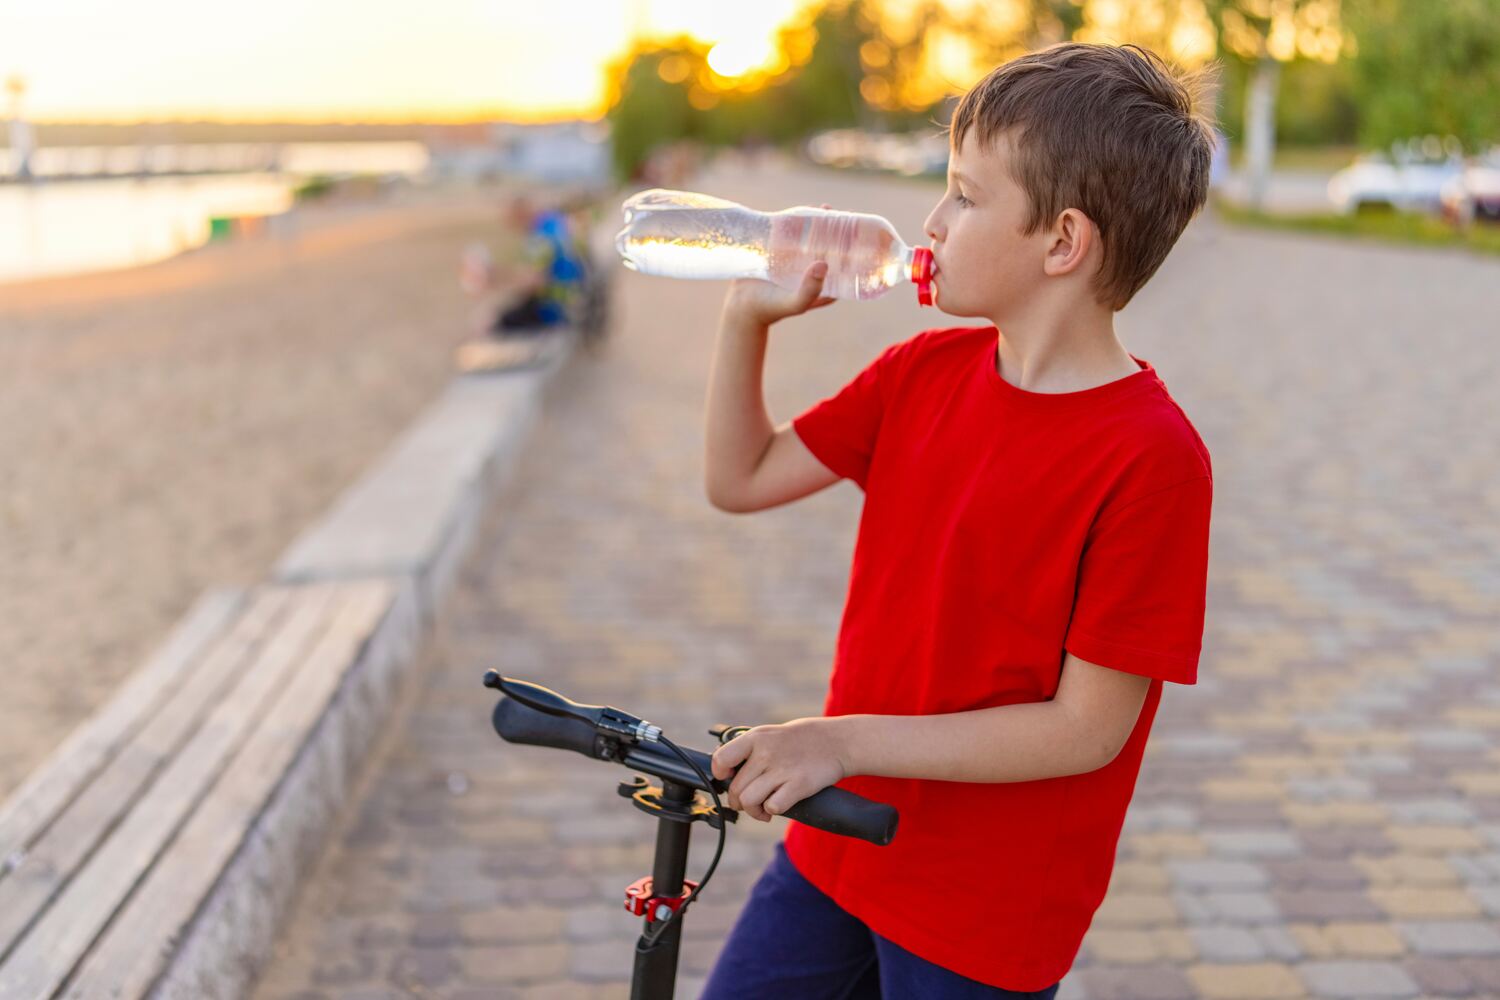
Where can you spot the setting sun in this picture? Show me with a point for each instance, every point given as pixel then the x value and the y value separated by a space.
pixel 290 61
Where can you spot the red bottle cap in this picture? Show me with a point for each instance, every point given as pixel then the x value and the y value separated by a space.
pixel 921 273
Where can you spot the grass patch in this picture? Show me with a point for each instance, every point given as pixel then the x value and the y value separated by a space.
pixel 1387 227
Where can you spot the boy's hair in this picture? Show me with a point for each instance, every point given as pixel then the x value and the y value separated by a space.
pixel 1109 130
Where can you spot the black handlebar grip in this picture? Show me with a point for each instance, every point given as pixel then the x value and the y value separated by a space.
pixel 840 811
pixel 518 723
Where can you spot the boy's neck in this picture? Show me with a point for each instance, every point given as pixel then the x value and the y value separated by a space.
pixel 1062 354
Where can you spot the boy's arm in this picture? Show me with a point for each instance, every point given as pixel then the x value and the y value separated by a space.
pixel 1081 729
pixel 749 464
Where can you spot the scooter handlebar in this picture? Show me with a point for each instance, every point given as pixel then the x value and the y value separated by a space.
pixel 835 810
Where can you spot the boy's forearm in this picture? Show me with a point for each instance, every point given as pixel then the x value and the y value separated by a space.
pixel 738 427
pixel 1025 742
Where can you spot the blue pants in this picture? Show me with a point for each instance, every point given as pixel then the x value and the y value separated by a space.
pixel 791 942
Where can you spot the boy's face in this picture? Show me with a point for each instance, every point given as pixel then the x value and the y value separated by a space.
pixel 984 264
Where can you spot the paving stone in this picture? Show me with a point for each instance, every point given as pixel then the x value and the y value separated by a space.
pixel 1071 988
pixel 602 961
pixel 1110 946
pixel 1407 869
pixel 424 969
pixel 1228 907
pixel 1358 980
pixel 1164 816
pixel 1323 873
pixel 512 925
pixel 1453 937
pixel 1252 843
pixel 1259 980
pixel 1326 904
pixel 1227 944
pixel 1362 940
pixel 513 964
pixel 1484 972
pixel 1424 901
pixel 1439 976
pixel 1137 983
pixel 1195 874
pixel 1488 897
pixel 1131 909
pixel 1435 811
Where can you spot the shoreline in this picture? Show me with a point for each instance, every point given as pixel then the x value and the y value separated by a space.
pixel 174 426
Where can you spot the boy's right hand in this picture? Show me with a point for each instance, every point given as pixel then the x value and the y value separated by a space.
pixel 765 302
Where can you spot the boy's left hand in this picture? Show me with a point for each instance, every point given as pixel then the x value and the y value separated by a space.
pixel 780 766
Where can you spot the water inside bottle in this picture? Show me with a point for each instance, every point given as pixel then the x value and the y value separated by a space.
pixel 702 238
pixel 689 235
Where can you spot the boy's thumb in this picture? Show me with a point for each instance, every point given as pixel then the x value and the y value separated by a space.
pixel 816 274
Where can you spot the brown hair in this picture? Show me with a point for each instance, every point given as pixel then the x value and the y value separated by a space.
pixel 1108 130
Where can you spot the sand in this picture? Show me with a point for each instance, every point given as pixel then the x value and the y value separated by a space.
pixel 172 427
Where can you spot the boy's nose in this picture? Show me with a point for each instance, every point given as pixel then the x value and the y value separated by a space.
pixel 931 229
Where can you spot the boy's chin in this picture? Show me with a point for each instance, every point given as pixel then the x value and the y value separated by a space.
pixel 950 306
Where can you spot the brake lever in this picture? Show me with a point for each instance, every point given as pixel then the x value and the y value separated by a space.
pixel 606 720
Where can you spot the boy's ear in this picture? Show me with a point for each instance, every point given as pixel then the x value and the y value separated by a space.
pixel 1071 240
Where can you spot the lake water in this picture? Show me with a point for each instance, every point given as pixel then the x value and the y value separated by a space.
pixel 68 227
pixel 57 227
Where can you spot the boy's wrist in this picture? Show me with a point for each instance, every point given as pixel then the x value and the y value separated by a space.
pixel 742 316
pixel 846 730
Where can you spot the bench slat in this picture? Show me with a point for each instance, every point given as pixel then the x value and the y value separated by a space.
pixel 41 871
pixel 33 806
pixel 48 953
pixel 131 956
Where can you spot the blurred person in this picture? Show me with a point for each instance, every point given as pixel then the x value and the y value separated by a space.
pixel 552 268
pixel 1030 571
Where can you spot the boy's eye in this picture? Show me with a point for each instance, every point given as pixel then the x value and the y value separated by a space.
pixel 963 201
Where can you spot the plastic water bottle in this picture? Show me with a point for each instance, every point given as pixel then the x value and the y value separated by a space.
pixel 679 234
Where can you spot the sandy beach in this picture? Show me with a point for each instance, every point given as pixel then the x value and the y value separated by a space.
pixel 172 427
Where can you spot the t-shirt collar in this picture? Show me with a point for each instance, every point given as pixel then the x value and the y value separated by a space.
pixel 1108 392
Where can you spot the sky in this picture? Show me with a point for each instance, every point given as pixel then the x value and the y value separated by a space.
pixel 349 60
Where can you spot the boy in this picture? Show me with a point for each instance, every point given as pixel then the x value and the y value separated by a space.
pixel 1031 560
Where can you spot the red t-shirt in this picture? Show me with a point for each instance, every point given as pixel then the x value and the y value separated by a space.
pixel 1002 527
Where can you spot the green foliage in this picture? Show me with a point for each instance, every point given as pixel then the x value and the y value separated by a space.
pixel 1316 104
pixel 1426 67
pixel 649 111
pixel 822 93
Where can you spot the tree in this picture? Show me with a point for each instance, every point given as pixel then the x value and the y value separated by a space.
pixel 1423 67
pixel 1264 34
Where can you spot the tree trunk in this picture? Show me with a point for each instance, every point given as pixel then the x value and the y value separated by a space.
pixel 1260 128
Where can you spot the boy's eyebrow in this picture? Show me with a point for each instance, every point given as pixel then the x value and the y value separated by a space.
pixel 967 179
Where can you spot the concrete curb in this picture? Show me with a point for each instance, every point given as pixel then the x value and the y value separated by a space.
pixel 414 511
pixel 410 519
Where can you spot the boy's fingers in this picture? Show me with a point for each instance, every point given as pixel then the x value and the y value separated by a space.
pixel 729 756
pixel 812 282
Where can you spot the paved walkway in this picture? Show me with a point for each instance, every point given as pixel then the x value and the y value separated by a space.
pixel 1319 816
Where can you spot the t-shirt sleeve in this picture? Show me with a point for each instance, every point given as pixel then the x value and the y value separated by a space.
pixel 841 429
pixel 1142 585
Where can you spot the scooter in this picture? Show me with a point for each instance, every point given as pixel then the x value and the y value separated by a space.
pixel 528 713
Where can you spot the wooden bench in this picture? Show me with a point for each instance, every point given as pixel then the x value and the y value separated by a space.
pixel 153 853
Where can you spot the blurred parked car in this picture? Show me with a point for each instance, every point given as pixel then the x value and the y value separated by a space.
pixel 909 153
pixel 1475 193
pixel 1410 180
